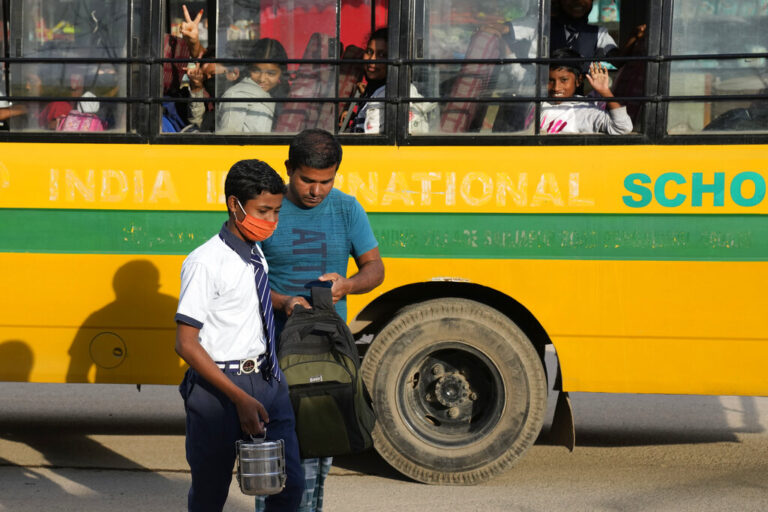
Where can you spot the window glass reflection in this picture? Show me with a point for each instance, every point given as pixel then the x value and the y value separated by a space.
pixel 719 28
pixel 63 30
pixel 457 30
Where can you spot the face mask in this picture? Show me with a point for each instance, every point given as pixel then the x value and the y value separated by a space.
pixel 253 228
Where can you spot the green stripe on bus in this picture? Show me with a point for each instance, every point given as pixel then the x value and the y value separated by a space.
pixel 408 235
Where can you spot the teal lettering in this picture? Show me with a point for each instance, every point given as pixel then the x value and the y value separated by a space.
pixel 737 183
pixel 660 189
pixel 717 189
pixel 633 186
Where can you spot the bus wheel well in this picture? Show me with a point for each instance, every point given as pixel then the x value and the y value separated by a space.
pixel 379 312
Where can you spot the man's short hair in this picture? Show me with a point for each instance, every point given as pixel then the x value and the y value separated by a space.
pixel 314 148
pixel 249 178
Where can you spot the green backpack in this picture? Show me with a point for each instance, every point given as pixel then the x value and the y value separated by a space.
pixel 317 354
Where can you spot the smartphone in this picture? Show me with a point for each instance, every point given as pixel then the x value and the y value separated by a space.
pixel 319 284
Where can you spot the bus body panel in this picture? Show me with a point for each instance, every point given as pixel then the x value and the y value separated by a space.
pixel 686 327
pixel 415 179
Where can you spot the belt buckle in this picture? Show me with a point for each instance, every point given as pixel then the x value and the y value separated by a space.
pixel 247 366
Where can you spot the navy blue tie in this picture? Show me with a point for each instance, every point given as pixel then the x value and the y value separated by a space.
pixel 267 316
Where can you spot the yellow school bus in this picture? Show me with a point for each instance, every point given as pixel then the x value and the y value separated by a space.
pixel 639 257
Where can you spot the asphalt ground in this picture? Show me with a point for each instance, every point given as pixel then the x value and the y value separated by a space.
pixel 108 447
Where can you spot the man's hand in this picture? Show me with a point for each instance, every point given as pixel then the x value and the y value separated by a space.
pixel 599 80
pixel 252 415
pixel 341 285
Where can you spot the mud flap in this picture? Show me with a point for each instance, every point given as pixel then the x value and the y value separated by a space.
pixel 563 430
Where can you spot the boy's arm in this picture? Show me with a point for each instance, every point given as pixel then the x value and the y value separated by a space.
pixel 370 274
pixel 286 303
pixel 250 411
pixel 598 79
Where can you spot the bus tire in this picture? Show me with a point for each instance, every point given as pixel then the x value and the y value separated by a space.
pixel 459 391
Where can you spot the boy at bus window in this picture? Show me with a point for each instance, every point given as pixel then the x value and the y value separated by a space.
pixel 562 116
pixel 259 80
pixel 225 332
pixel 176 114
pixel 200 75
pixel 181 48
pixel 203 86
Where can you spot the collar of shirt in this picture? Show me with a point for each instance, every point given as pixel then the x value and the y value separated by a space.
pixel 242 248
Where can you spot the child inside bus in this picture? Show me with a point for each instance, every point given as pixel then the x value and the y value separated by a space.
pixel 369 117
pixel 563 116
pixel 259 80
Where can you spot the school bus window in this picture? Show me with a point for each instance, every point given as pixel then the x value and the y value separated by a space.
pixel 7 109
pixel 452 31
pixel 65 30
pixel 701 28
pixel 510 30
pixel 364 35
pixel 601 33
pixel 253 89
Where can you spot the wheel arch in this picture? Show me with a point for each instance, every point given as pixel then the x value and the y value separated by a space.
pixel 372 318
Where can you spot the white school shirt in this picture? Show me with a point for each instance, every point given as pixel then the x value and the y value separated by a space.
pixel 245 117
pixel 218 296
pixel 372 113
pixel 578 117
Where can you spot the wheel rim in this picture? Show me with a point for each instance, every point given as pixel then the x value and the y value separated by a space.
pixel 451 394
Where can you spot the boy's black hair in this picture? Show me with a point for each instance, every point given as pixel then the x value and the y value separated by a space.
pixel 249 178
pixel 314 148
pixel 566 53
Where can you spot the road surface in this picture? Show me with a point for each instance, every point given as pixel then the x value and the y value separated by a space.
pixel 108 447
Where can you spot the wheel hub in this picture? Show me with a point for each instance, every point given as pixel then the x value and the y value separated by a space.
pixel 452 390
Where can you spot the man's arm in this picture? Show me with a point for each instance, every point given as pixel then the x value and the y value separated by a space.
pixel 370 274
pixel 250 411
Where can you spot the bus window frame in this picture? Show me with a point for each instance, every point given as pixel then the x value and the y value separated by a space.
pixel 136 55
pixel 144 110
pixel 664 74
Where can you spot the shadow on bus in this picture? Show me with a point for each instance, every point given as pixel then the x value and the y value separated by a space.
pixel 130 339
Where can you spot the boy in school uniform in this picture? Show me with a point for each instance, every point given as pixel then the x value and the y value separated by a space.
pixel 322 227
pixel 225 332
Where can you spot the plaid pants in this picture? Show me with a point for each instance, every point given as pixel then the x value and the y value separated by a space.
pixel 315 472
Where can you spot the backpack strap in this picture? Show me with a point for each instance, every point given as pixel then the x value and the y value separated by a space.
pixel 322 298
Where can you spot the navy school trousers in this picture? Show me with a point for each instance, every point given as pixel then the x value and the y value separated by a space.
pixel 213 427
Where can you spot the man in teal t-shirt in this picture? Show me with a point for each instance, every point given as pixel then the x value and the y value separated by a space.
pixel 320 228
